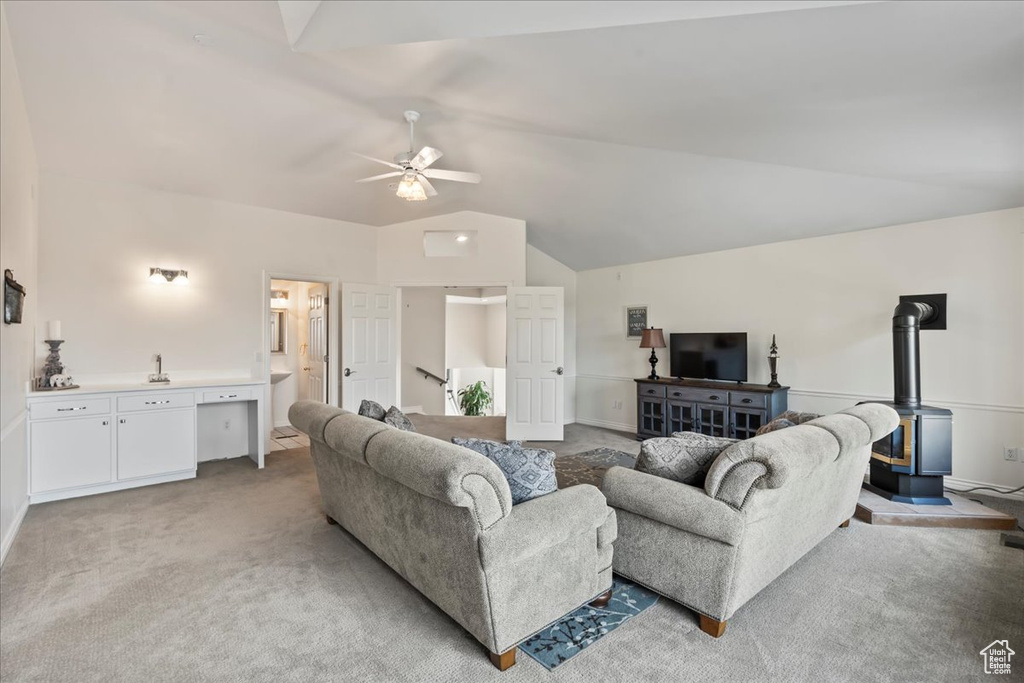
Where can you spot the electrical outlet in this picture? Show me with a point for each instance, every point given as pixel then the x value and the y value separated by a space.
pixel 227 424
pixel 616 405
pixel 1011 454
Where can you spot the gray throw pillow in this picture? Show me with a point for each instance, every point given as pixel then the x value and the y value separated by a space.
pixel 530 472
pixel 685 457
pixel 775 425
pixel 396 418
pixel 372 410
pixel 796 417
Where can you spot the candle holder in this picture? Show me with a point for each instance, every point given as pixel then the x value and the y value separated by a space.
pixel 773 364
pixel 54 368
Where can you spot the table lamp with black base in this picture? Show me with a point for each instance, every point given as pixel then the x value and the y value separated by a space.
pixel 652 339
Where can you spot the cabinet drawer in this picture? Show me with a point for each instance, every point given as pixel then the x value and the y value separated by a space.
pixel 224 395
pixel 155 402
pixel 651 390
pixel 70 408
pixel 708 396
pixel 748 399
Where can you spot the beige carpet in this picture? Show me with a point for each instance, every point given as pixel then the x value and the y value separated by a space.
pixel 235 576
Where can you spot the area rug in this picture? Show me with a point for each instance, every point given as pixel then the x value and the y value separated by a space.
pixel 578 630
pixel 589 467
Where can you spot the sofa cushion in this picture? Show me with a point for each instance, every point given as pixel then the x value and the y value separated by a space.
pixel 685 457
pixel 396 418
pixel 775 425
pixel 372 410
pixel 530 472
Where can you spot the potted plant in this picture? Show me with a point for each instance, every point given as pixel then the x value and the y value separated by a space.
pixel 475 399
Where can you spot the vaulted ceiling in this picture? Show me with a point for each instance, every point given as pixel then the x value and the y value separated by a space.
pixel 621 132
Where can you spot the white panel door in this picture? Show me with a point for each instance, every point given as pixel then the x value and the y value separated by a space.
pixel 157 442
pixel 534 384
pixel 70 453
pixel 318 344
pixel 369 346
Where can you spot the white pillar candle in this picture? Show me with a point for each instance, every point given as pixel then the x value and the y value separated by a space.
pixel 54 330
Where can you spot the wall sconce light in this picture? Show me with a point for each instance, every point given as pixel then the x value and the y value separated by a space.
pixel 161 275
pixel 279 299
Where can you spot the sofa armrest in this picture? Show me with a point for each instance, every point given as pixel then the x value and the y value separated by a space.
pixel 678 505
pixel 544 522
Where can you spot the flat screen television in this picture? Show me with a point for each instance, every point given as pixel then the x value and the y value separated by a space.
pixel 712 355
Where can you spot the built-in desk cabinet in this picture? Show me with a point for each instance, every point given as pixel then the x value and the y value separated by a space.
pixel 666 406
pixel 83 443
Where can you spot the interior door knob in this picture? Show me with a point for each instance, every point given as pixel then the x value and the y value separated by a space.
pixel 349 371
pixel 559 370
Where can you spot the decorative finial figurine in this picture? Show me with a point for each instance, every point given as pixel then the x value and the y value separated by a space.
pixel 773 364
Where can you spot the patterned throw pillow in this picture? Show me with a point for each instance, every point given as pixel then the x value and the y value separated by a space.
pixel 372 410
pixel 684 457
pixel 775 425
pixel 797 418
pixel 530 471
pixel 396 418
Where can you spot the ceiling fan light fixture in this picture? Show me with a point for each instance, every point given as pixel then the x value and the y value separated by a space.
pixel 411 190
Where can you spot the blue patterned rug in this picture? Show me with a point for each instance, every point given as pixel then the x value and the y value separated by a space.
pixel 578 630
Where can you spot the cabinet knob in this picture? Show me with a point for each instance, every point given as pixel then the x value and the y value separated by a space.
pixel 105 423
pixel 714 398
pixel 747 400
pixel 122 420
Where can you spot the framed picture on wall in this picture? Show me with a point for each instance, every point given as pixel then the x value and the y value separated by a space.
pixel 636 321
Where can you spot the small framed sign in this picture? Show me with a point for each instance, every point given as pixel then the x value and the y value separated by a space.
pixel 636 321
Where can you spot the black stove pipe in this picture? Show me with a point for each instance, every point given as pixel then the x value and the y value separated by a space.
pixel 906 350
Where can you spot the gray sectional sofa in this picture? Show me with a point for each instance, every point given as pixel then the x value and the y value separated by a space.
pixel 766 501
pixel 442 517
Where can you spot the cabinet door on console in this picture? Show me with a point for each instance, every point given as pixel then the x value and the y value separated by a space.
pixel 682 417
pixel 712 420
pixel 746 422
pixel 154 443
pixel 70 453
pixel 650 417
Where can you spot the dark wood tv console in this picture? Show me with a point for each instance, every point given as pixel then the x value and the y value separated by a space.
pixel 732 409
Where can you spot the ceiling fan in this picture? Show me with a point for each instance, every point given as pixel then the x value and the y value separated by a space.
pixel 414 170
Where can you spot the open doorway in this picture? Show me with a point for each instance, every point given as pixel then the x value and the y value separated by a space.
pixel 299 336
pixel 453 339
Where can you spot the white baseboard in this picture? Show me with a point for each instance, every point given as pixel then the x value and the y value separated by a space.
pixel 955 483
pixel 8 540
pixel 617 426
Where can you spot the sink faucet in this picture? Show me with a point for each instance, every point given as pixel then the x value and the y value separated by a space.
pixel 159 376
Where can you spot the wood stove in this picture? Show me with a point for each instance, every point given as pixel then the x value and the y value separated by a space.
pixel 908 465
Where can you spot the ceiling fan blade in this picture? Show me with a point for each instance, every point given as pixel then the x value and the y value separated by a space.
pixel 457 176
pixel 426 157
pixel 382 176
pixel 380 161
pixel 427 187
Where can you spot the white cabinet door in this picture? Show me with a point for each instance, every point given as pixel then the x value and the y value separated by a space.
pixel 154 443
pixel 534 388
pixel 369 347
pixel 70 453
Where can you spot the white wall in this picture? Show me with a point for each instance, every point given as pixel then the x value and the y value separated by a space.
pixel 500 258
pixel 544 271
pixel 830 301
pixel 19 178
pixel 100 239
pixel 423 331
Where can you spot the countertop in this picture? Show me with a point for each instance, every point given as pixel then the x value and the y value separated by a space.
pixel 146 386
